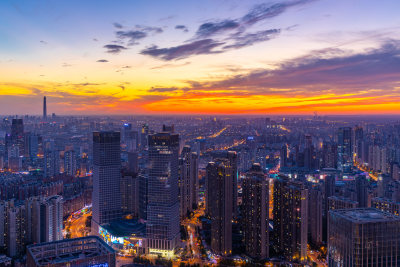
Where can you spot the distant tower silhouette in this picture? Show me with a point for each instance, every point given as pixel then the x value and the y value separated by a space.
pixel 44 108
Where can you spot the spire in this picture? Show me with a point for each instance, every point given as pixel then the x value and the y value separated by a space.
pixel 44 108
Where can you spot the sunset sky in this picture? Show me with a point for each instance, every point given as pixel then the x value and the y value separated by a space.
pixel 200 57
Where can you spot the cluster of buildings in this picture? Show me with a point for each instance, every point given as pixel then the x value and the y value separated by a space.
pixel 35 220
pixel 269 190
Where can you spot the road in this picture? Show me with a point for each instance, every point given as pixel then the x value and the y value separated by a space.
pixel 364 169
pixel 77 224
pixel 192 241
pixel 313 255
pixel 123 261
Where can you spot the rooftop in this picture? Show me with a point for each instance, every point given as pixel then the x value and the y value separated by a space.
pixel 124 228
pixel 365 215
pixel 68 250
pixel 343 199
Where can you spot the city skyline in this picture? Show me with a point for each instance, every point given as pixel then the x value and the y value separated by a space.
pixel 287 57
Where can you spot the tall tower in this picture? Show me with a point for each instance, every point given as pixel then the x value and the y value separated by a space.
pixel 188 181
pixel 290 218
pixel 163 203
pixel 106 178
pixel 219 195
pixel 255 213
pixel 51 219
pixel 44 108
pixel 345 149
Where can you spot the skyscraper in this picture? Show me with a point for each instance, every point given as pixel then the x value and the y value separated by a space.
pixel 329 190
pixel 144 136
pixel 163 203
pixel 106 178
pixel 361 186
pixel 284 156
pixel 31 145
pixel 358 142
pixel 70 162
pixel 363 237
pixel 16 139
pixel 330 155
pixel 315 211
pixel 219 200
pixel 130 193
pixel 51 159
pixel 345 149
pixel 44 108
pixel 143 194
pixel 308 153
pixel 51 219
pixel 188 181
pixel 290 218
pixel 255 208
pixel 232 158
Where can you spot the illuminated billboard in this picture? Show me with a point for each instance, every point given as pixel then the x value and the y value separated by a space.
pixel 128 242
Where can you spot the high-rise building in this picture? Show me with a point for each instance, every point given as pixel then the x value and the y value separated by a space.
pixel 44 108
pixel 219 202
pixel 330 155
pixel 106 178
pixel 329 190
pixel 163 204
pixel 338 203
pixel 3 217
pixel 144 137
pixel 15 143
pixel 363 237
pixel 31 145
pixel 70 162
pixel 284 156
pixel 309 153
pixel 315 214
pixel 361 184
pixel 130 193
pixel 14 229
pixel 17 128
pixel 232 158
pixel 188 181
pixel 131 141
pixel 51 159
pixel 51 219
pixel 255 211
pixel 345 149
pixel 126 128
pixel 34 220
pixel 32 205
pixel 143 194
pixel 358 143
pixel 290 216
pixel 386 205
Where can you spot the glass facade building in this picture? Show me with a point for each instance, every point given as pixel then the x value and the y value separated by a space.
pixel 363 237
pixel 163 203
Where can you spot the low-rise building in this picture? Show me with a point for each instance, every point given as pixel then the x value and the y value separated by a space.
pixel 78 252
